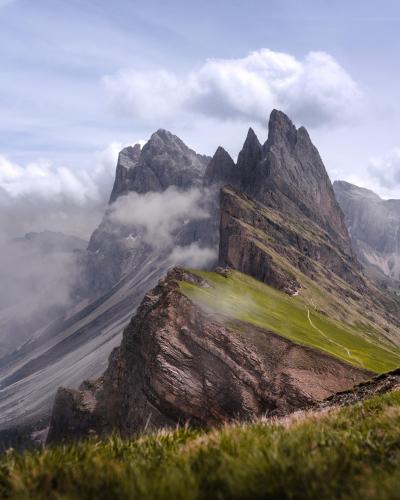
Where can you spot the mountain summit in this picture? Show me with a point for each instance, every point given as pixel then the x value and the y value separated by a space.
pixel 289 319
pixel 163 161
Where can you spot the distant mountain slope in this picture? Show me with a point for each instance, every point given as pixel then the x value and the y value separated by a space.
pixel 205 348
pixel 51 241
pixel 29 296
pixel 118 268
pixel 208 347
pixel 374 225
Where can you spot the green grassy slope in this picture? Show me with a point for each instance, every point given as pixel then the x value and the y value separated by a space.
pixel 243 298
pixel 353 452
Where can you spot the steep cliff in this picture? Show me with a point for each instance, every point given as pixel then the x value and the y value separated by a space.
pixel 209 347
pixel 180 361
pixel 118 268
pixel 374 225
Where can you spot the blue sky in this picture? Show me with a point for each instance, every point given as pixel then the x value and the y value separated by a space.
pixel 80 78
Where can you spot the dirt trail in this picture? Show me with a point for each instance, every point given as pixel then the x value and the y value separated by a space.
pixel 331 340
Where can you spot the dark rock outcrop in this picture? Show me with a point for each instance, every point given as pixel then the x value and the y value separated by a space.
pixel 289 175
pixel 116 271
pixel 286 253
pixel 250 233
pixel 164 161
pixel 221 170
pixel 374 226
pixel 127 160
pixel 114 249
pixel 248 159
pixel 178 364
pixel 381 384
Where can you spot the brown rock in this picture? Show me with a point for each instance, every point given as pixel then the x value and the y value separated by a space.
pixel 179 364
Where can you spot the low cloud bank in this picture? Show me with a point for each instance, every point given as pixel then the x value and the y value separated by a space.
pixel 193 256
pixel 315 91
pixel 159 215
pixel 37 277
pixel 386 170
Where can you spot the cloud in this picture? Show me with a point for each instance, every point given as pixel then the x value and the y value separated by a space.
pixel 314 91
pixel 44 180
pixel 157 216
pixel 36 197
pixel 42 195
pixel 193 255
pixel 386 169
pixel 36 283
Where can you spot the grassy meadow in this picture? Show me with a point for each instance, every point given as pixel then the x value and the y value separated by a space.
pixel 243 298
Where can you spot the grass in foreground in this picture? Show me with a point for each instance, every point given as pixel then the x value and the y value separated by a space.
pixel 353 452
pixel 243 298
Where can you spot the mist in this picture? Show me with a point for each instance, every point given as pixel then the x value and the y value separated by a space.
pixel 158 215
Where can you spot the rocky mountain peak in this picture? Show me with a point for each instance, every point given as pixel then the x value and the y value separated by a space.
pixel 291 177
pixel 164 161
pixel 221 169
pixel 281 128
pixel 129 156
pixel 249 156
pixel 341 187
pixel 127 159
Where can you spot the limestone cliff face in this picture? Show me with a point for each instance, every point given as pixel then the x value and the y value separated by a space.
pixel 287 173
pixel 178 363
pixel 164 161
pixel 264 242
pixel 270 246
pixel 374 225
pixel 127 160
pixel 117 250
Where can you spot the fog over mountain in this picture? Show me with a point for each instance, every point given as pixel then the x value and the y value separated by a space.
pixel 159 215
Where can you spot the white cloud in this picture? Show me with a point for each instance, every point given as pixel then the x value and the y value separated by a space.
pixel 382 175
pixel 386 169
pixel 44 180
pixel 315 91
pixel 158 215
pixel 42 195
pixel 193 255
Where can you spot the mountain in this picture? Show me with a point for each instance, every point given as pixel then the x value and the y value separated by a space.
pixel 51 241
pixel 289 319
pixel 29 297
pixel 344 447
pixel 119 266
pixel 374 225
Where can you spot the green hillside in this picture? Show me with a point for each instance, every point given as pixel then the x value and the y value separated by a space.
pixel 240 297
pixel 349 453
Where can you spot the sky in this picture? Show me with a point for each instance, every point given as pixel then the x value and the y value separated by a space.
pixel 80 79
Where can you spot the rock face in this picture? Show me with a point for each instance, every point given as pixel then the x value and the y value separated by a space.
pixel 118 268
pixel 127 161
pixel 116 250
pixel 287 173
pixel 164 161
pixel 374 225
pixel 280 223
pixel 287 253
pixel 177 364
pixel 221 170
pixel 250 233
